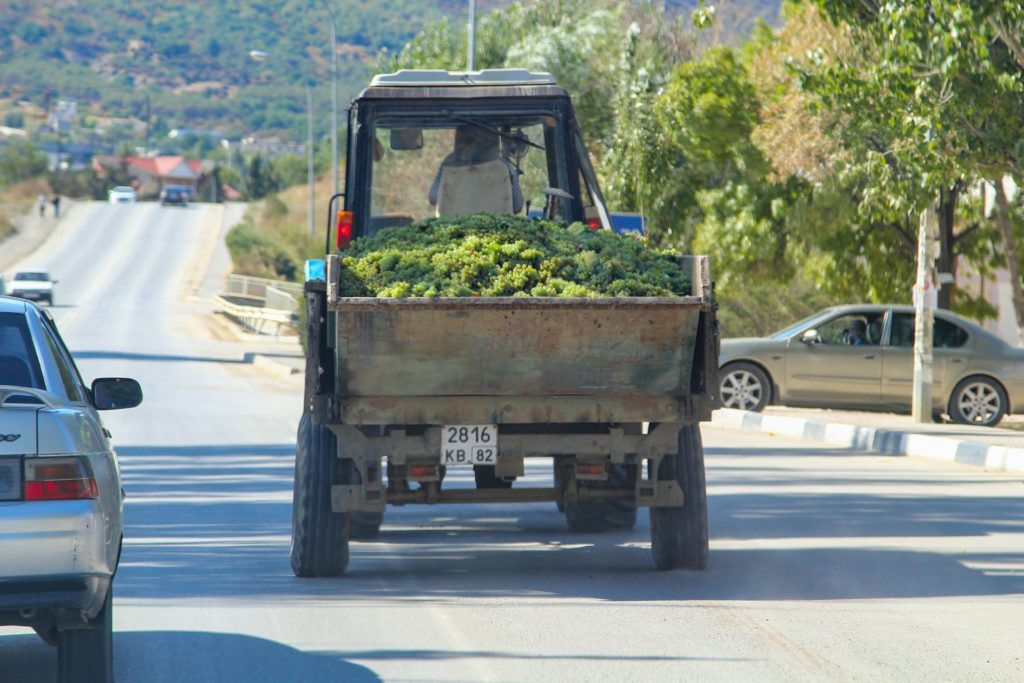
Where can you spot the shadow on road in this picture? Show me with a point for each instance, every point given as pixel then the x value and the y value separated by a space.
pixel 215 522
pixel 193 656
pixel 246 359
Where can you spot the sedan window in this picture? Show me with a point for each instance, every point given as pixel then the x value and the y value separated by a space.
pixel 18 363
pixel 945 335
pixel 853 329
pixel 68 377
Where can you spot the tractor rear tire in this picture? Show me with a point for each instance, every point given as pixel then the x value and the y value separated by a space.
pixel 679 535
pixel 319 535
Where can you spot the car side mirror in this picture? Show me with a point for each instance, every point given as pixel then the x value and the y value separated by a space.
pixel 116 393
pixel 811 336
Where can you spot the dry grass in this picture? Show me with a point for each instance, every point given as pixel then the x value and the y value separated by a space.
pixel 18 200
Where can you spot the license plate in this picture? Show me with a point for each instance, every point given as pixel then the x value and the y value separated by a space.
pixel 469 445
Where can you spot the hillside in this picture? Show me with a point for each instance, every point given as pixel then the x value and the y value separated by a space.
pixel 180 64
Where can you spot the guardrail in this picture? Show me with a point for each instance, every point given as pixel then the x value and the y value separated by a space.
pixel 256 287
pixel 259 304
pixel 257 319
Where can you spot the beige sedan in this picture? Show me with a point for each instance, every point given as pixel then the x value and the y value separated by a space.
pixel 862 357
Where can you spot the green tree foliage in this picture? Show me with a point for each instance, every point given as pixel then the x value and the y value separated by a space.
pixel 701 141
pixel 21 161
pixel 594 48
pixel 927 102
pixel 261 177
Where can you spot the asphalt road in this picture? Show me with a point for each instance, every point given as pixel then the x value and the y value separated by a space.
pixel 825 565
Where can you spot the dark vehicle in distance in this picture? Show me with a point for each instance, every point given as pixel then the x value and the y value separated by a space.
pixel 174 195
pixel 862 356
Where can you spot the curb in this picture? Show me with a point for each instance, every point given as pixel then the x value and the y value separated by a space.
pixel 272 365
pixel 885 441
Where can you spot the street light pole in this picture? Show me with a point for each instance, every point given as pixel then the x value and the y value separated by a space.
pixel 334 97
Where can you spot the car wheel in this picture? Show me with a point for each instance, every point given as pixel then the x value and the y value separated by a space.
pixel 745 387
pixel 978 401
pixel 86 655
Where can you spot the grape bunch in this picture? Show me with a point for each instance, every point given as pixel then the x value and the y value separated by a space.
pixel 504 255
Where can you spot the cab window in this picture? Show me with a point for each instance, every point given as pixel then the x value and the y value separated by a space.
pixel 491 163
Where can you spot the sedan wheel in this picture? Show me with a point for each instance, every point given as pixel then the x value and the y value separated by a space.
pixel 978 401
pixel 744 387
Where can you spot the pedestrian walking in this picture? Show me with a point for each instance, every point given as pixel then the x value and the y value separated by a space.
pixel 42 205
pixel 56 205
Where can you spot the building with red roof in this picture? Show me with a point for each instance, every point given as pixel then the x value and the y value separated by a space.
pixel 152 174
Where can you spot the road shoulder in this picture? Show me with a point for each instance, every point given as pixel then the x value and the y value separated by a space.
pixel 995 449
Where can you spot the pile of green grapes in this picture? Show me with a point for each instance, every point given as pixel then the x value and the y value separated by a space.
pixel 489 255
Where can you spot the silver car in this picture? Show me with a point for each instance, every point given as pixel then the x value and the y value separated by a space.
pixel 61 500
pixel 862 357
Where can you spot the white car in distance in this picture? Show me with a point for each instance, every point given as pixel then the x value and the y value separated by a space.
pixel 122 195
pixel 33 284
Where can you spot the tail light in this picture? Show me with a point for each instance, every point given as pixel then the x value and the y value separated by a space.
pixel 424 473
pixel 594 223
pixel 59 479
pixel 591 470
pixel 344 229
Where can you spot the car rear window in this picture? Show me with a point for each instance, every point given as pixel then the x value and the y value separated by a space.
pixel 33 277
pixel 18 363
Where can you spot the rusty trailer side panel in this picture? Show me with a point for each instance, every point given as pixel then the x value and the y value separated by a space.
pixel 516 359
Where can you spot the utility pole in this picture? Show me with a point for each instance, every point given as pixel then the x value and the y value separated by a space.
pixel 471 31
pixel 334 98
pixel 309 156
pixel 925 299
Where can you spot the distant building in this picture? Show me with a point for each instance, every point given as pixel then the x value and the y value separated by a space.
pixel 70 155
pixel 178 133
pixel 270 146
pixel 105 123
pixel 152 174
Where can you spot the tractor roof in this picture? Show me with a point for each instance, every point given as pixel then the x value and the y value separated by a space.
pixel 435 83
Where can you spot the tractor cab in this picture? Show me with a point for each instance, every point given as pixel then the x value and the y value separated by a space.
pixel 436 143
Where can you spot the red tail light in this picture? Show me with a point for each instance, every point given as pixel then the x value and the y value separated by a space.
pixel 344 229
pixel 58 479
pixel 594 223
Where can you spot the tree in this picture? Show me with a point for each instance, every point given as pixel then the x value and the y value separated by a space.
pixel 594 48
pixel 261 178
pixel 928 102
pixel 20 162
pixel 698 139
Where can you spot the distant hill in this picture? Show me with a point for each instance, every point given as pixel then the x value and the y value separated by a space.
pixel 186 64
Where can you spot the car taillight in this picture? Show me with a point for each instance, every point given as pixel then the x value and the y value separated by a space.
pixel 594 223
pixel 344 229
pixel 58 479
